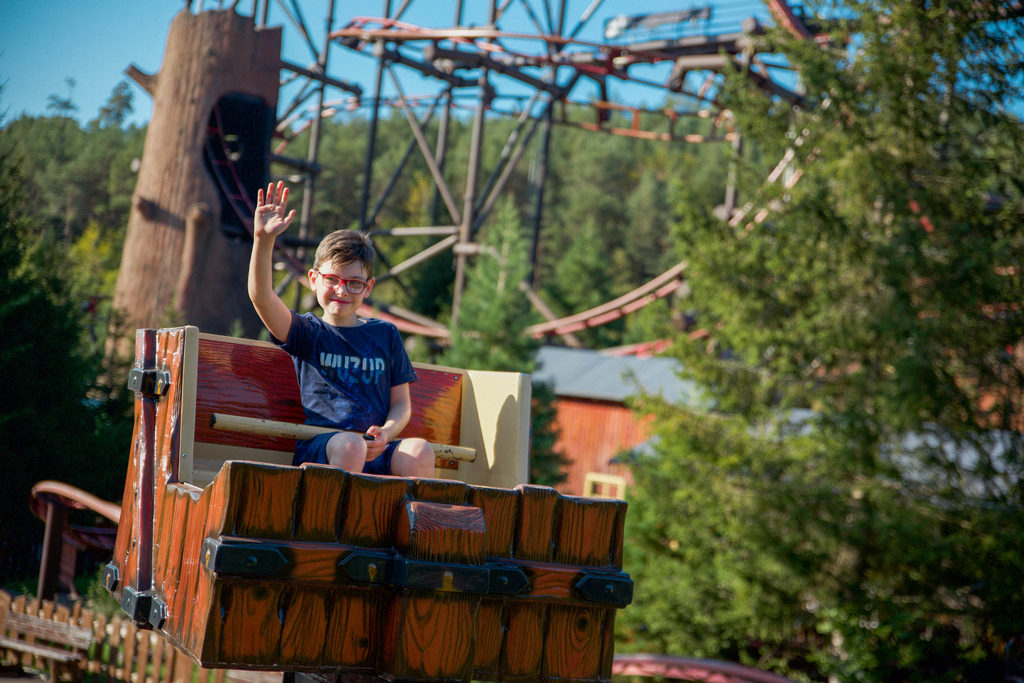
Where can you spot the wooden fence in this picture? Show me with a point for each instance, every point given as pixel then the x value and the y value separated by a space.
pixel 120 651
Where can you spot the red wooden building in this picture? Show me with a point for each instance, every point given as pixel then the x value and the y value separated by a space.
pixel 594 423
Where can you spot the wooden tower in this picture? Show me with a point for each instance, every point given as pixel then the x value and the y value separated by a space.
pixel 179 263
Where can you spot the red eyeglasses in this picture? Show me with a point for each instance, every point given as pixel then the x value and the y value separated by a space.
pixel 352 285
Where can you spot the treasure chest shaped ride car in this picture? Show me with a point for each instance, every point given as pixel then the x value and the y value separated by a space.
pixel 246 562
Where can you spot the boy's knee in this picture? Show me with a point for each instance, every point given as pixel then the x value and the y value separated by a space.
pixel 425 457
pixel 417 458
pixel 347 452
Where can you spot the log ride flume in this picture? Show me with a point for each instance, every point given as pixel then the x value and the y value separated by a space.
pixel 246 562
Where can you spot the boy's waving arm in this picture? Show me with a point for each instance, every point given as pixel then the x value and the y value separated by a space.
pixel 270 219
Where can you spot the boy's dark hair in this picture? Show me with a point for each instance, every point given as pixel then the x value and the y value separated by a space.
pixel 345 246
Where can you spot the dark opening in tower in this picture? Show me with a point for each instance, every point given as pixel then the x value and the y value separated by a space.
pixel 236 153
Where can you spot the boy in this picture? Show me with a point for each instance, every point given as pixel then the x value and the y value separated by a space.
pixel 353 372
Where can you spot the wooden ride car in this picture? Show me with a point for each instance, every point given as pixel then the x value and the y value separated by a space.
pixel 246 562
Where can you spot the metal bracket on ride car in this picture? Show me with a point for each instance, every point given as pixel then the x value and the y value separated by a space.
pixel 149 382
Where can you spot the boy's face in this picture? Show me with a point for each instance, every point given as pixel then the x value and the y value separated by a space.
pixel 334 284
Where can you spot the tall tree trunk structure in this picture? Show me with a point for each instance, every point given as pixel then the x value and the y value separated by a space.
pixel 180 263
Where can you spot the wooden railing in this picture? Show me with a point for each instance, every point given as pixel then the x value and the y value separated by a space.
pixel 119 652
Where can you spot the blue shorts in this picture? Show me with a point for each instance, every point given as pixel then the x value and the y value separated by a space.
pixel 315 450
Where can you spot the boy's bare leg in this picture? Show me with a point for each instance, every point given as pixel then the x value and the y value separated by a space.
pixel 413 458
pixel 347 450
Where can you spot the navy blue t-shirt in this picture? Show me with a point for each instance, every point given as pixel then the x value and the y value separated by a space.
pixel 346 373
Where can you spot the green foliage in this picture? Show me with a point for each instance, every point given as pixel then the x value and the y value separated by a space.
pixel 489 332
pixel 97 597
pixel 94 259
pixel 494 310
pixel 547 463
pixel 847 509
pixel 73 178
pixel 55 422
pixel 117 108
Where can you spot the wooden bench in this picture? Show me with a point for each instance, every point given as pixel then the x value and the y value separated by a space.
pixel 483 410
pixel 62 646
pixel 245 562
pixel 53 502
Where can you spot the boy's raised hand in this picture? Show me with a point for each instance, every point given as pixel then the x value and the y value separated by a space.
pixel 270 218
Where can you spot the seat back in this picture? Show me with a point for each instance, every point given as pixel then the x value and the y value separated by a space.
pixel 484 410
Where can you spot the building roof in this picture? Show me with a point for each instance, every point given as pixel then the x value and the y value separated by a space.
pixel 597 375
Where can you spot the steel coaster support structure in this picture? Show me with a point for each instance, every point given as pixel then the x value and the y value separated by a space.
pixel 462 59
pixel 306 215
pixel 371 144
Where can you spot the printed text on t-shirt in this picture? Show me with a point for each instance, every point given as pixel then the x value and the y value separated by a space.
pixel 352 368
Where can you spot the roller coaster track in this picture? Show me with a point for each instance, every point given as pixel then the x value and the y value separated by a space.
pixel 665 284
pixel 672 667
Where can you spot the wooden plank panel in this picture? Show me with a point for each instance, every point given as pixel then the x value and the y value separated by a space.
pixel 125 527
pixel 182 669
pixel 180 508
pixel 188 608
pixel 356 621
pixel 533 542
pixel 19 606
pixel 203 624
pixel 490 634
pixel 574 642
pixel 434 637
pixel 438 532
pixel 608 646
pixel 125 557
pixel 260 500
pixel 524 642
pixel 248 379
pixel 250 631
pixel 116 657
pixel 322 491
pixel 303 614
pixel 136 652
pixel 535 539
pixel 587 531
pixel 172 518
pixel 220 601
pixel 152 673
pixel 620 535
pixel 357 617
pixel 98 624
pixel 170 355
pixel 500 508
pixel 437 406
pixel 550 582
pixel 164 537
pixel 434 631
pixel 440 491
pixel 370 511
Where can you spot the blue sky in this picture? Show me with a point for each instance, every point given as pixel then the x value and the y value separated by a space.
pixel 45 42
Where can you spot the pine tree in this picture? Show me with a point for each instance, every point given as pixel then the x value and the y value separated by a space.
pixel 489 334
pixel 494 309
pixel 846 503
